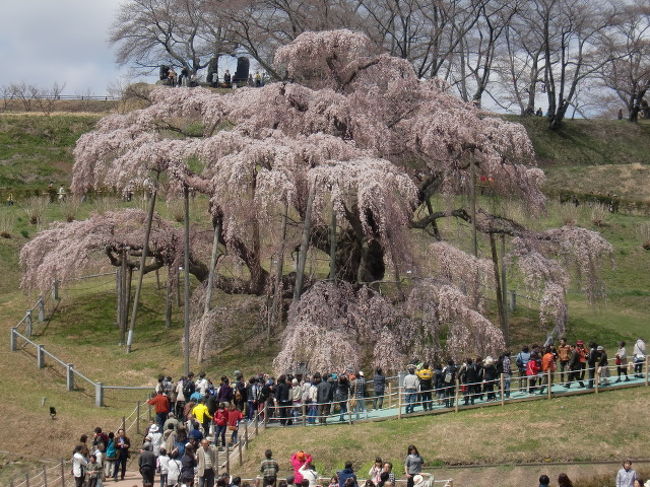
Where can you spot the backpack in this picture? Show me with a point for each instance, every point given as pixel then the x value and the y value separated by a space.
pixel 188 390
pixel 449 375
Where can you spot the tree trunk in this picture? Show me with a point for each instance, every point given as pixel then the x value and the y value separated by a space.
pixel 473 202
pixel 118 294
pixel 186 278
pixel 304 245
pixel 276 312
pixel 333 246
pixel 143 260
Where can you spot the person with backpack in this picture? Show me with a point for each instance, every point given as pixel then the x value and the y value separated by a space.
pixel 425 374
pixel 521 360
pixel 449 377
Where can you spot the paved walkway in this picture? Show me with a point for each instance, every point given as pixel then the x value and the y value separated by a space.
pixel 558 390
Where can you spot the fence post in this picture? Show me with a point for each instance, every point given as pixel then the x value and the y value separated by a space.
pixel 69 376
pixel 246 434
pixel 647 361
pixel 228 457
pixel 549 383
pixel 27 479
pixel 41 309
pixel 266 414
pixel 456 395
pixel 399 404
pixel 55 290
pixel 597 378
pixel 11 482
pixel 513 300
pixel 124 423
pixel 501 388
pixel 241 456
pixel 257 421
pixel 40 357
pixel 303 408
pixel 28 323
pixel 44 475
pixel 99 395
pixel 390 396
pixel 137 418
pixel 62 472
pixel 12 339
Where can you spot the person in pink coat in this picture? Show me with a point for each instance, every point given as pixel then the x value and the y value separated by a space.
pixel 298 459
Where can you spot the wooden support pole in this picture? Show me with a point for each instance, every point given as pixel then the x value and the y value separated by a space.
pixel 597 378
pixel 124 423
pixel 69 376
pixel 62 472
pixel 41 309
pixel 137 419
pixel 27 479
pixel 246 434
pixel 228 458
pixel 40 357
pixel 399 403
pixel 12 340
pixel 241 455
pixel 456 395
pixel 645 375
pixel 186 280
pixel 549 383
pixel 44 476
pixel 143 261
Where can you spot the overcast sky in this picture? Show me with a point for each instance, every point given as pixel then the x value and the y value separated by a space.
pixel 43 41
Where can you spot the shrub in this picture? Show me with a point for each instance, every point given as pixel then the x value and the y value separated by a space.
pixel 598 214
pixel 35 208
pixel 6 224
pixel 24 233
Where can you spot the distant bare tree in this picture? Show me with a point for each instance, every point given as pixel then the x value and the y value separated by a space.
pixel 46 98
pixel 626 47
pixel 151 32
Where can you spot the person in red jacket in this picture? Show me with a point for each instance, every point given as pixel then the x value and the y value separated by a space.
pixel 234 417
pixel 161 404
pixel 532 369
pixel 221 420
pixel 299 459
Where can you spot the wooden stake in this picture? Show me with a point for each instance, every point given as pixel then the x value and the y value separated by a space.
pixel 143 261
pixel 501 387
pixel 186 276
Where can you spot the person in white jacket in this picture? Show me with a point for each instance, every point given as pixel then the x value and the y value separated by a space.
pixel 155 437
pixel 309 473
pixel 78 466
pixel 639 357
pixel 173 469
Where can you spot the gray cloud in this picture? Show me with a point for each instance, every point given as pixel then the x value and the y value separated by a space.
pixel 65 41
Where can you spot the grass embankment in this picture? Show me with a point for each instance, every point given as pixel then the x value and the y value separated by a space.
pixel 602 157
pixel 37 149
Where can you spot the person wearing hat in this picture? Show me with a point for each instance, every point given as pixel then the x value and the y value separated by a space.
pixel 298 459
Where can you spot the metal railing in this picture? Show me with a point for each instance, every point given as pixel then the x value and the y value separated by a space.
pixel 20 338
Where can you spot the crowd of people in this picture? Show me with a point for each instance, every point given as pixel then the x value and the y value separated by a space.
pixel 194 415
pixel 348 395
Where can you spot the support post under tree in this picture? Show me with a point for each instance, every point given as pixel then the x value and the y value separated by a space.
pixel 186 278
pixel 504 292
pixel 497 280
pixel 208 291
pixel 276 314
pixel 473 204
pixel 143 260
pixel 304 244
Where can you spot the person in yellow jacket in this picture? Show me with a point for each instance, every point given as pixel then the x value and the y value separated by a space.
pixel 200 412
pixel 425 374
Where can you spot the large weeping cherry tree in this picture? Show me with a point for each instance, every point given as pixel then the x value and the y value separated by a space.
pixel 349 147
